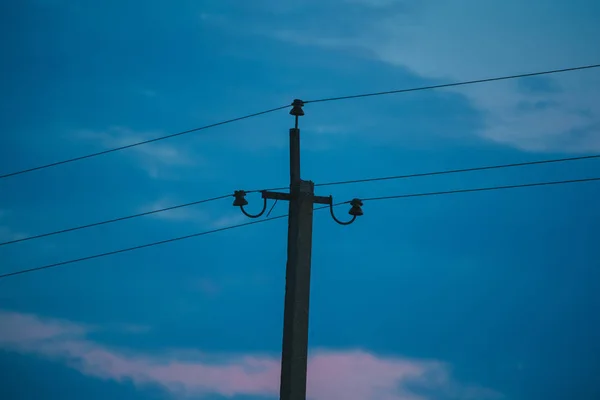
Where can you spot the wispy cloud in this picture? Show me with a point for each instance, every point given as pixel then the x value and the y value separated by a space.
pixel 228 220
pixel 158 159
pixel 444 41
pixel 350 375
pixel 192 215
pixel 6 232
pixel 129 328
pixel 186 214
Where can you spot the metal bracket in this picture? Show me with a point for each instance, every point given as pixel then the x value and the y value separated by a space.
pixel 288 197
pixel 322 199
pixel 276 195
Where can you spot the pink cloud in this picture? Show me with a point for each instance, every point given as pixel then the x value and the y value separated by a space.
pixel 349 375
pixel 25 329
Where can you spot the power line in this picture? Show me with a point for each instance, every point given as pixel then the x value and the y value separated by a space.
pixel 489 167
pixel 58 264
pixel 76 228
pixel 445 85
pixel 454 171
pixel 445 172
pixel 283 216
pixel 404 196
pixel 54 164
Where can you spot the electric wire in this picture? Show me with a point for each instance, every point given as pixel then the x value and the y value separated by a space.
pixel 58 264
pixel 416 175
pixel 72 261
pixel 483 189
pixel 463 83
pixel 76 228
pixel 286 106
pixel 66 161
pixel 454 171
pixel 445 85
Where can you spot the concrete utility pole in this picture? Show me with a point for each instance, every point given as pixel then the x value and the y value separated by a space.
pixel 297 286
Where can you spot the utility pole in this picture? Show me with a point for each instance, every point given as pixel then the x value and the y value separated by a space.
pixel 297 282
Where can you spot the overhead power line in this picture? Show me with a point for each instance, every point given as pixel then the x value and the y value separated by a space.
pixel 484 189
pixel 417 175
pixel 58 264
pixel 415 89
pixel 54 164
pixel 76 228
pixel 62 263
pixel 455 171
pixel 446 85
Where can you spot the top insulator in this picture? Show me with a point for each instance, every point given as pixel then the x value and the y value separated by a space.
pixel 297 108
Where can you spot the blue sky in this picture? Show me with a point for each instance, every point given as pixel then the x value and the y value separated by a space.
pixel 472 296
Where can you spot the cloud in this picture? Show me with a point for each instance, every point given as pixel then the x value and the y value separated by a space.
pixel 188 214
pixel 228 220
pixel 129 328
pixel 23 330
pixel 158 158
pixel 193 215
pixel 351 375
pixel 6 233
pixel 472 39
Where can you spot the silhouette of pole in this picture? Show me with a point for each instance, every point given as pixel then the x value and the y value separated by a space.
pixel 294 354
pixel 297 281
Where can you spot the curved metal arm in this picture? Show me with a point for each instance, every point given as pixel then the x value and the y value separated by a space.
pixel 257 215
pixel 337 220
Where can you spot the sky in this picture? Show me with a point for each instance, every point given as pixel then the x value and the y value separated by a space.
pixel 489 295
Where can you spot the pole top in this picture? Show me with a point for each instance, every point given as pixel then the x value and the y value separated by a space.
pixel 297 108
